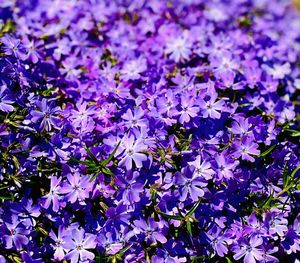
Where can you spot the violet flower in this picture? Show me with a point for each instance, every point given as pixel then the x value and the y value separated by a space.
pixel 78 244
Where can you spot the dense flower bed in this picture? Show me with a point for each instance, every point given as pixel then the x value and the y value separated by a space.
pixel 149 131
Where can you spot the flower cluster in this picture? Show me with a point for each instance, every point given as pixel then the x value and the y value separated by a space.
pixel 149 131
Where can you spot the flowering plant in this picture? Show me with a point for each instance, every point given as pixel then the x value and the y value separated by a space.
pixel 149 131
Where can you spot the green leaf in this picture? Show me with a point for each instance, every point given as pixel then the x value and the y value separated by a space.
pixel 285 175
pixel 193 209
pixel 171 216
pixel 91 155
pixel 295 133
pixel 189 228
pixel 86 162
pixel 106 171
pixel 228 260
pixel 267 202
pixel 5 198
pixel 123 250
pixel 295 171
pixel 9 26
pixel 268 151
pixel 105 162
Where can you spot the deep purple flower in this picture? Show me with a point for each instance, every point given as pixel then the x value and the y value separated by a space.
pixel 117 216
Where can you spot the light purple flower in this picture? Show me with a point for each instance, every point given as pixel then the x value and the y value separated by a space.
pixel 179 47
pixel 59 242
pixel 132 152
pixel 78 243
pixel 246 148
pixel 188 109
pixel 132 69
pixel 5 102
pixel 212 108
pixel 189 184
pixel 249 250
pixel 76 188
pixel 151 229
pixel 16 233
pixel 202 168
pixel 53 195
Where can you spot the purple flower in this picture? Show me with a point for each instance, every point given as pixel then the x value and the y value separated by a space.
pixel 28 212
pixel 276 223
pixel 78 244
pixel 240 126
pixel 136 119
pixel 5 102
pixel 70 68
pixel 117 216
pixel 246 148
pixel 82 114
pixel 16 234
pixel 167 104
pixel 47 113
pixel 189 184
pixel 59 242
pixel 212 108
pixel 225 166
pixel 151 230
pixel 202 168
pixel 76 188
pixel 110 242
pixel 179 47
pixel 130 188
pixel 132 69
pixel 249 250
pixel 32 48
pixel 278 71
pixel 218 241
pixel 188 110
pixel 268 250
pixel 53 195
pixel 254 226
pixel 291 242
pixel 132 152
pixel 13 46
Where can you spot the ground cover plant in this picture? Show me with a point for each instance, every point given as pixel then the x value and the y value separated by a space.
pixel 149 131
